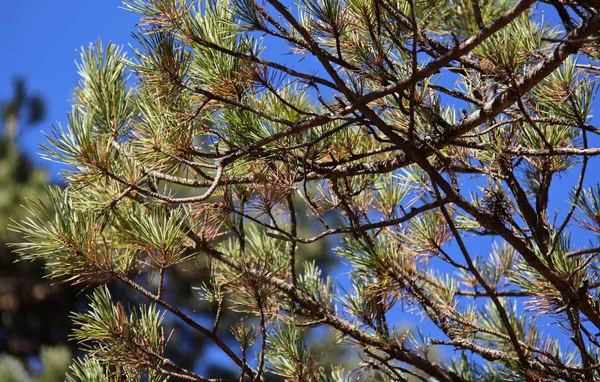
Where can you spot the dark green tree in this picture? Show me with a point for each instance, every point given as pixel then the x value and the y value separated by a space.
pixel 33 313
pixel 22 109
pixel 426 137
pixel 18 177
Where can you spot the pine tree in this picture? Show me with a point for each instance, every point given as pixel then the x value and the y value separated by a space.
pixel 425 139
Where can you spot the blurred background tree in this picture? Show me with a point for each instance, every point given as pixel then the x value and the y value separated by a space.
pixel 18 177
pixel 34 322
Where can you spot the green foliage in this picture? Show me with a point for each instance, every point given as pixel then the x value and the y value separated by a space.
pixel 11 369
pixel 207 152
pixel 33 105
pixel 289 356
pixel 89 369
pixel 18 179
pixel 54 366
pixel 55 363
pixel 134 342
pixel 589 207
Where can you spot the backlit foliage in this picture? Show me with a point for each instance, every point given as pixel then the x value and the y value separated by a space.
pixel 427 138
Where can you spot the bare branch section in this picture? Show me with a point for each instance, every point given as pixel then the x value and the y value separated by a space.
pixel 422 145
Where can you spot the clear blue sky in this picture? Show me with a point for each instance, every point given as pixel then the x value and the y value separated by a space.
pixel 40 41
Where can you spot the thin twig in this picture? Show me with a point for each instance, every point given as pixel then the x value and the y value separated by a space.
pixel 185 318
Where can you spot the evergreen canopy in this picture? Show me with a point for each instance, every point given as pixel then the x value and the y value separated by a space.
pixel 423 136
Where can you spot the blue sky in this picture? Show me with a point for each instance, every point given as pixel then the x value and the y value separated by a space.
pixel 40 41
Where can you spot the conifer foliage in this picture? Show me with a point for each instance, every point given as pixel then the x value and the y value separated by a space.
pixel 425 138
